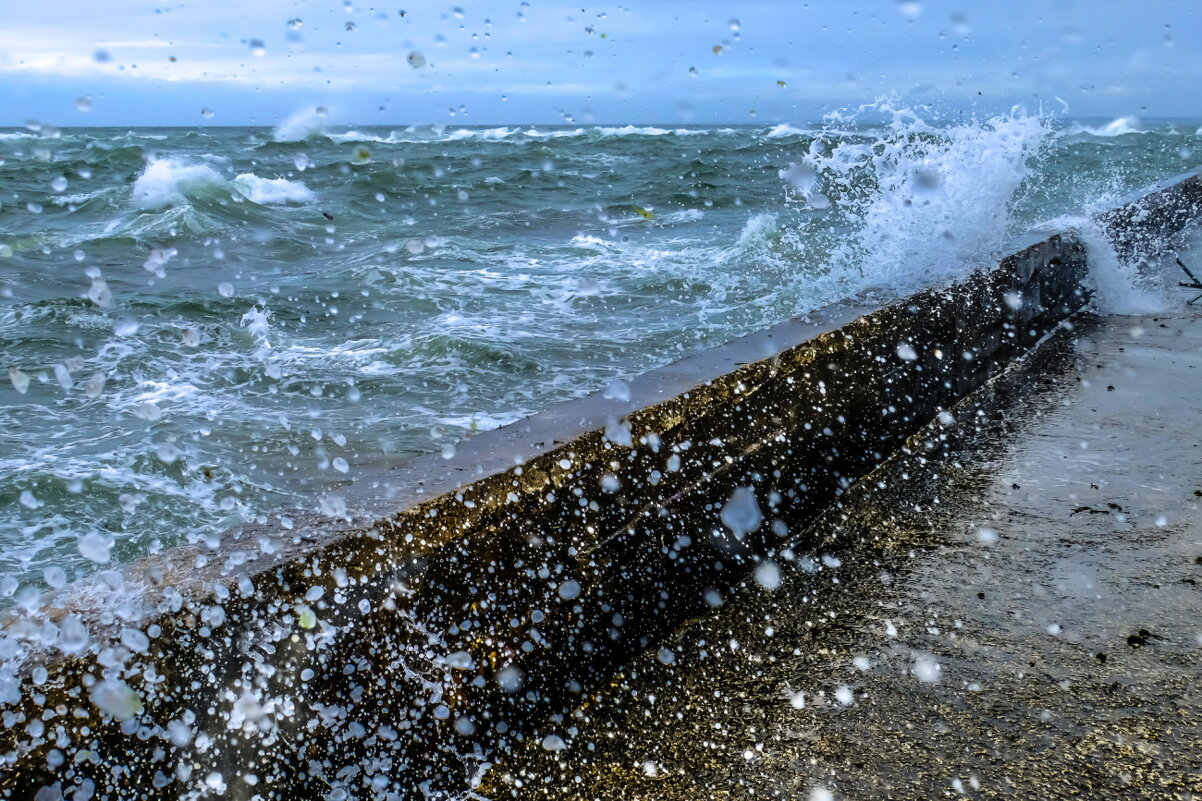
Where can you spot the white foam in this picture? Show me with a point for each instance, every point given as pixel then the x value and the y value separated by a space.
pixel 927 202
pixel 272 191
pixel 166 182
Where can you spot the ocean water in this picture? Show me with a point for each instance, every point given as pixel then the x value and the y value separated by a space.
pixel 205 326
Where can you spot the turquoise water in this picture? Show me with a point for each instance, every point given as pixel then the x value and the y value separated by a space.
pixel 206 326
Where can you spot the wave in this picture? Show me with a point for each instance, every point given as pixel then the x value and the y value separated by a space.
pixel 272 191
pixel 167 182
pixel 170 182
pixel 308 123
pixel 514 134
pixel 783 130
pixel 922 201
pixel 1119 127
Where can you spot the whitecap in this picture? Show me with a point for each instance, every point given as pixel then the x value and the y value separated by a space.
pixel 783 130
pixel 272 191
pixel 166 182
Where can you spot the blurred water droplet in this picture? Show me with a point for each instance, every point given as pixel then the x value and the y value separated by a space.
pixel 927 181
pixel 741 513
pixel 102 57
pixel 63 376
pixel 126 327
pixel 767 575
pixel 553 742
pixel 416 59
pixel 95 547
pixel 909 8
pixel 333 506
pixel 341 465
pixel 59 183
pixel 28 500
pixel 225 289
pixel 257 47
pixel 569 590
pixel 301 161
pixel 510 679
pixel 116 699
pixel 906 351
pixel 207 113
pixel 83 103
pixel 926 668
pixel 20 379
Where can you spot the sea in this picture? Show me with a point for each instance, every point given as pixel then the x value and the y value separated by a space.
pixel 205 326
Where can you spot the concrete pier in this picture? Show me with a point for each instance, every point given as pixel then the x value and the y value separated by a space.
pixel 1013 610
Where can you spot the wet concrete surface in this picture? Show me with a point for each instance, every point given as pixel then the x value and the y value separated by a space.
pixel 1013 608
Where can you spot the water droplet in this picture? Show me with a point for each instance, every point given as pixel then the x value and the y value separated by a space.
pixel 767 575
pixel 102 57
pixel 225 289
pixel 63 376
pixel 83 103
pixel 59 184
pixel 416 59
pixel 126 327
pixel 510 679
pixel 986 536
pixel 301 161
pixel 207 113
pixel 95 547
pixel 257 47
pixel 20 380
pixel 28 500
pixel 116 699
pixel 569 590
pixel 553 742
pixel 909 8
pixel 926 668
pixel 741 513
pixel 167 452
pixel 340 465
pixel 617 390
pixel 906 351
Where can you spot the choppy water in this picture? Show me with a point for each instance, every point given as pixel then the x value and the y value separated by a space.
pixel 203 326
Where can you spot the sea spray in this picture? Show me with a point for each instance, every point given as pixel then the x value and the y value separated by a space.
pixel 917 202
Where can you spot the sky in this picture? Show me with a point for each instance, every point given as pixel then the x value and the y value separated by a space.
pixel 218 62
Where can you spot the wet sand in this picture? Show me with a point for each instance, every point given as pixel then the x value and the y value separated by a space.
pixel 1012 609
